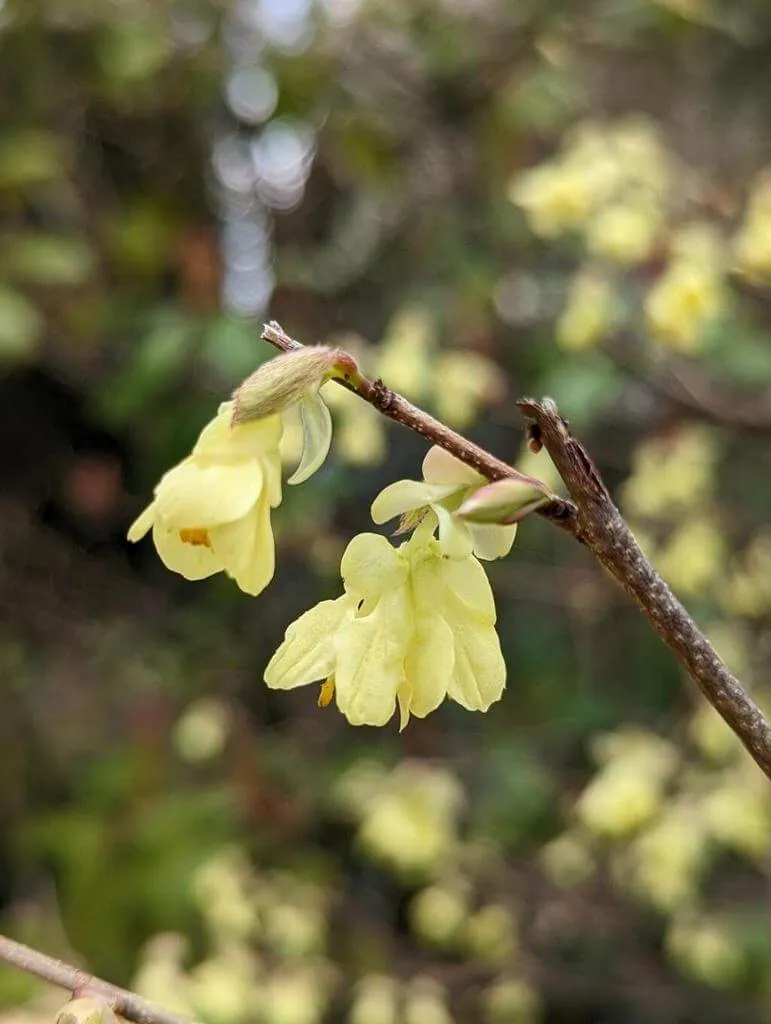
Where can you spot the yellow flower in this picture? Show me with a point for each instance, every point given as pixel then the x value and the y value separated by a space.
pixel 446 483
pixel 211 513
pixel 591 312
pixel 688 297
pixel 624 232
pixel 410 824
pixel 463 382
pixel 413 626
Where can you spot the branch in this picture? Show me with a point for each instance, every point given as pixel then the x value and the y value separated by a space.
pixel 125 1004
pixel 559 511
pixel 601 527
pixel 593 519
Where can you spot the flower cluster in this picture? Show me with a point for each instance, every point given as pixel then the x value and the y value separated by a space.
pixel 415 623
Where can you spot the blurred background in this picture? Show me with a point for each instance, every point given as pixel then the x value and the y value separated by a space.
pixel 481 199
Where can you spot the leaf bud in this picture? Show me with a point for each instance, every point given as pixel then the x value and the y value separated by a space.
pixel 505 501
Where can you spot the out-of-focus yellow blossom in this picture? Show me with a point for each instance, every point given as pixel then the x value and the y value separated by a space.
pixel 693 559
pixel 491 933
pixel 225 989
pixel 590 314
pixel 511 1001
pixel 405 356
pixel 297 996
pixel 601 165
pixel 224 889
pixel 202 731
pixel 295 930
pixel 637 146
pixel 446 484
pixel 357 786
pixel 691 293
pixel 738 815
pixel 747 592
pixel 664 864
pixel 412 627
pixel 160 976
pixel 375 1001
pixel 628 790
pixel 561 196
pixel 211 513
pixel 464 381
pixel 638 746
pixel 619 801
pixel 673 473
pixel 539 465
pixel 625 232
pixel 438 913
pixel 706 950
pixel 425 1002
pixel 360 436
pixel 752 243
pixel 411 823
pixel 568 860
pixel 712 736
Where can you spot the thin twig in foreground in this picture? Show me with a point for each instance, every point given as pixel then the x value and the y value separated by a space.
pixel 601 527
pixel 57 972
pixel 593 519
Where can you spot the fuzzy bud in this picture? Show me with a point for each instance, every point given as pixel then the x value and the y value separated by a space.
pixel 90 1009
pixel 505 501
pixel 286 378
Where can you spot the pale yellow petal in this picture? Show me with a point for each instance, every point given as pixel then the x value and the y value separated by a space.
pixel 370 661
pixel 142 523
pixel 468 581
pixel 307 653
pixel 191 495
pixel 492 541
pixel 403 699
pixel 271 467
pixel 403 496
pixel 317 436
pixel 439 467
pixel 454 535
pixel 219 441
pixel 246 548
pixel 479 673
pixel 371 566
pixel 193 561
pixel 429 663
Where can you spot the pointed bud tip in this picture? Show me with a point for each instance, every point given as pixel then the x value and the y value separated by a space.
pixel 504 502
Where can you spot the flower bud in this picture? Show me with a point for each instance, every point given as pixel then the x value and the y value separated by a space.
pixel 86 1010
pixel 287 378
pixel 505 501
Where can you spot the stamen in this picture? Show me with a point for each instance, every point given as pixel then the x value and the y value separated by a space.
pixel 196 537
pixel 327 692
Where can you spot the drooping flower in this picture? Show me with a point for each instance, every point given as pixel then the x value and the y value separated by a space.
pixel 412 628
pixel 211 513
pixel 446 483
pixel 294 379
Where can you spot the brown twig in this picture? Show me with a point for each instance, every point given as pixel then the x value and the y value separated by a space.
pixel 397 408
pixel 592 518
pixel 601 527
pixel 57 972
